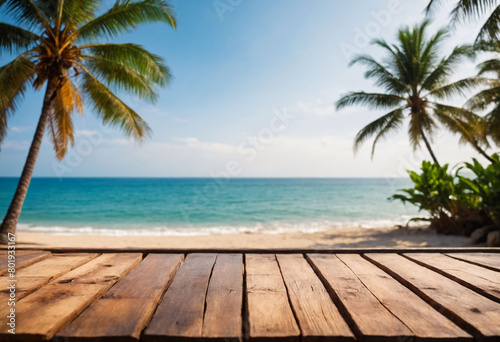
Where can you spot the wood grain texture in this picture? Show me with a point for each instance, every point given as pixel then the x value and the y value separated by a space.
pixel 41 314
pixel 269 315
pixel 488 260
pixel 224 301
pixel 38 274
pixel 399 250
pixel 22 259
pixel 124 311
pixel 180 314
pixel 474 312
pixel 480 279
pixel 371 320
pixel 424 321
pixel 318 317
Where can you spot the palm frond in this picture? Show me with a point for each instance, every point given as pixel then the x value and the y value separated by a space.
pixel 432 7
pixel 420 123
pixel 111 109
pixel 490 29
pixel 66 100
pixel 126 15
pixel 27 13
pixel 471 8
pixel 14 79
pixel 390 126
pixel 461 87
pixel 484 99
pixel 388 122
pixel 14 39
pixel 121 77
pixel 446 67
pixel 492 65
pixel 77 12
pixel 459 121
pixel 493 124
pixel 135 57
pixel 371 100
pixel 383 77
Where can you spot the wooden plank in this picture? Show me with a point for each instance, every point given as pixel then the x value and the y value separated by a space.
pixel 180 313
pixel 470 310
pixel 318 317
pixel 224 302
pixel 270 316
pixel 480 279
pixel 370 319
pixel 425 322
pixel 488 260
pixel 161 250
pixel 41 314
pixel 22 259
pixel 36 275
pixel 124 311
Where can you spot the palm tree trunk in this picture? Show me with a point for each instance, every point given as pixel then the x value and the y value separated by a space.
pixel 10 221
pixel 482 152
pixel 428 145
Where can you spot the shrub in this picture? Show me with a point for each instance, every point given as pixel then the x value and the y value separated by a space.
pixel 456 204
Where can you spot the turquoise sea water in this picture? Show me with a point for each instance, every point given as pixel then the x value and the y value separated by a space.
pixel 135 206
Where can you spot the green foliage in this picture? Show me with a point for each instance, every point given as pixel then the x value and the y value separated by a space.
pixel 474 9
pixel 59 41
pixel 456 203
pixel 485 186
pixel 414 77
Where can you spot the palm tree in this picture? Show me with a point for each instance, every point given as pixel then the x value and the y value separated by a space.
pixel 414 79
pixel 468 9
pixel 57 46
pixel 489 99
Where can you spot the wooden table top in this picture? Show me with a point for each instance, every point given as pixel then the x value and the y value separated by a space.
pixel 371 295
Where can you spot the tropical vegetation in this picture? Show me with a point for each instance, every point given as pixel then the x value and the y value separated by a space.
pixel 57 47
pixel 414 78
pixel 474 9
pixel 459 201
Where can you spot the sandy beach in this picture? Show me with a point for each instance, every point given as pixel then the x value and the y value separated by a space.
pixel 334 238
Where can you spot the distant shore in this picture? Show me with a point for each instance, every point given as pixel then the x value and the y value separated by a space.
pixel 334 238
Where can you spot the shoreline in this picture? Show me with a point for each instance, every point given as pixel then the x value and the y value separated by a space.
pixel 333 238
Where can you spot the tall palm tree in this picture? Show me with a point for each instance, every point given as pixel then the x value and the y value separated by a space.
pixel 489 99
pixel 469 9
pixel 414 78
pixel 57 46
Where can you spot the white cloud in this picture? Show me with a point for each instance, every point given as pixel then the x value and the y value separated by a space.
pixel 286 156
pixel 317 108
pixel 20 129
pixel 16 145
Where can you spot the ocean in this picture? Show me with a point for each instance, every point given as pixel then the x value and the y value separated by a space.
pixel 202 206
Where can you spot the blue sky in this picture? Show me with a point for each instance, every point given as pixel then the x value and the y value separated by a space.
pixel 253 90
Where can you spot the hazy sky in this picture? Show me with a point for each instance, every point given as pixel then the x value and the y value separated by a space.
pixel 253 92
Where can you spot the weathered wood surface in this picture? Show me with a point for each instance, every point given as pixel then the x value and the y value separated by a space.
pixel 488 260
pixel 260 297
pixel 180 314
pixel 33 277
pixel 269 313
pixel 224 301
pixel 424 321
pixel 47 310
pixel 126 308
pixel 477 278
pixel 316 313
pixel 371 318
pixel 476 313
pixel 22 259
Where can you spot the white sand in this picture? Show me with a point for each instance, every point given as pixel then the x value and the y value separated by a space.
pixel 334 238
